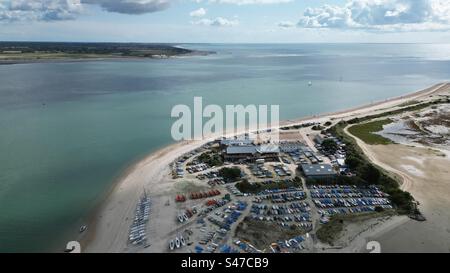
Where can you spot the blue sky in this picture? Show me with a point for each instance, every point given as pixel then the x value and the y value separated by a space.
pixel 254 21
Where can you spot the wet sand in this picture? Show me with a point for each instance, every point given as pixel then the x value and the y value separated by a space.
pixel 429 175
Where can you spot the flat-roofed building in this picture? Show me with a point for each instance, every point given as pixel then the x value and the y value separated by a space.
pixel 251 152
pixel 236 142
pixel 318 170
pixel 289 147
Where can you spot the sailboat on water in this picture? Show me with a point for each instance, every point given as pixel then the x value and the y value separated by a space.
pixel 83 228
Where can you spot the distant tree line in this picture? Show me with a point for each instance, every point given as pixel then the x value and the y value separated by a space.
pixel 125 49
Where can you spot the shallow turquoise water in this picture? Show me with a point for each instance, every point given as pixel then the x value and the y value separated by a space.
pixel 69 129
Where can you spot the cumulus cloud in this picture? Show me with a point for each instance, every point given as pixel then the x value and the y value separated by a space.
pixel 198 13
pixel 286 24
pixel 42 10
pixel 130 6
pixel 386 15
pixel 217 22
pixel 246 2
pixel 51 10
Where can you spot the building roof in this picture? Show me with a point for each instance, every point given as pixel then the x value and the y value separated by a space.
pixel 291 146
pixel 239 141
pixel 252 149
pixel 268 149
pixel 241 149
pixel 318 169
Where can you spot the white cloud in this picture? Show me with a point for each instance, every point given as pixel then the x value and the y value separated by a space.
pixel 384 15
pixel 217 22
pixel 198 13
pixel 246 2
pixel 130 6
pixel 52 10
pixel 41 10
pixel 286 24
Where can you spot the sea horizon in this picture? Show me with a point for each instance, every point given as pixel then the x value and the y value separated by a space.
pixel 222 43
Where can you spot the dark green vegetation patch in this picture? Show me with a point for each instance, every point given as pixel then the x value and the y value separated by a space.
pixel 366 132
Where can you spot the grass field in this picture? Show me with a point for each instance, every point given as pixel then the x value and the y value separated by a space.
pixel 331 231
pixel 261 234
pixel 246 187
pixel 365 132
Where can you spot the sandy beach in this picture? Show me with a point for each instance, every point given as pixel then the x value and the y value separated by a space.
pixel 427 176
pixel 109 228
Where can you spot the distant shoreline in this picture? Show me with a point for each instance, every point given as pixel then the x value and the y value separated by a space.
pixel 46 52
pixel 100 59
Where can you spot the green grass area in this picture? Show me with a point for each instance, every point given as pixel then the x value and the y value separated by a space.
pixel 256 187
pixel 330 232
pixel 211 158
pixel 261 234
pixel 366 131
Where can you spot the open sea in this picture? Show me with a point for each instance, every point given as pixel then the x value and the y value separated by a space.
pixel 68 130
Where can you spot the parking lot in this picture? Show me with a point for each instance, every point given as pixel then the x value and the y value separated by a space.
pixel 282 200
pixel 334 199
